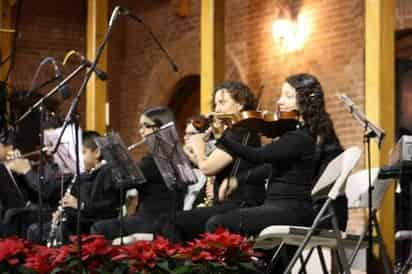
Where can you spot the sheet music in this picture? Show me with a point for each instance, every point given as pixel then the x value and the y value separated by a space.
pixel 169 157
pixel 65 156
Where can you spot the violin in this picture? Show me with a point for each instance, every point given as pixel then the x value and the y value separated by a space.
pixel 270 124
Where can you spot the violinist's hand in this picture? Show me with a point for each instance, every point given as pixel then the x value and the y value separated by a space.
pixel 20 166
pixel 227 187
pixel 69 201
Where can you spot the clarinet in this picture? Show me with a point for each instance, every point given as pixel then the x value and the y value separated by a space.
pixel 54 238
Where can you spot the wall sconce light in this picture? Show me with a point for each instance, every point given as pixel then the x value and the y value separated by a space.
pixel 290 32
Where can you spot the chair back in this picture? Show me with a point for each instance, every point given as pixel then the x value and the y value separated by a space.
pixel 357 188
pixel 350 158
pixel 336 173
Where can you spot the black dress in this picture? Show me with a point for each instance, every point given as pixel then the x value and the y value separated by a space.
pixel 288 199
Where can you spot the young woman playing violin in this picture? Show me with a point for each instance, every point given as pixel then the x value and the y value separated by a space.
pixel 228 98
pixel 294 159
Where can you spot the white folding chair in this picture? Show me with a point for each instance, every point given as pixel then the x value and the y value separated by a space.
pixel 357 188
pixel 334 178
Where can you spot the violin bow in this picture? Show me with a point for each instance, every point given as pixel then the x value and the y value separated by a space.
pixel 245 140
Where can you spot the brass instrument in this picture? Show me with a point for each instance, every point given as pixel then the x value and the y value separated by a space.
pixel 208 200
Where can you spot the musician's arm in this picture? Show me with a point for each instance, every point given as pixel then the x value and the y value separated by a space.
pixel 290 146
pixel 212 164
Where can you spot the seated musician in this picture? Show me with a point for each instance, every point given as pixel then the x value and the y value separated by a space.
pixel 20 215
pixel 19 194
pixel 99 198
pixel 228 98
pixel 154 197
pixel 293 158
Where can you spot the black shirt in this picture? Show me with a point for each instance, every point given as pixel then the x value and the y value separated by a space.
pixel 250 194
pixel 291 157
pixel 98 194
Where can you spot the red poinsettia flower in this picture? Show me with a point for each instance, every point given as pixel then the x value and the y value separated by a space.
pixel 95 245
pixel 140 254
pixel 62 254
pixel 10 248
pixel 163 248
pixel 40 259
pixel 221 246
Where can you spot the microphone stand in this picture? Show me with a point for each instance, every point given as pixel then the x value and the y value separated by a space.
pixel 72 117
pixel 370 131
pixel 40 105
pixel 149 30
pixel 51 92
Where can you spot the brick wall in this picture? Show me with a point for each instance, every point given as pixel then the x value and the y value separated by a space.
pixel 140 74
pixel 47 29
pixel 403 14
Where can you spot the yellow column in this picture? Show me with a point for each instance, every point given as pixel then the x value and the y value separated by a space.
pixel 380 95
pixel 6 34
pixel 212 50
pixel 97 20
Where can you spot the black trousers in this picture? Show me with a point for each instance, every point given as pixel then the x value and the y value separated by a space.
pixel 189 224
pixel 143 222
pixel 250 221
pixel 67 229
pixel 17 220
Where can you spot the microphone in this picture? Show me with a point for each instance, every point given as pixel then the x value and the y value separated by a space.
pixel 375 131
pixel 58 75
pixel 124 11
pixel 116 12
pixel 99 73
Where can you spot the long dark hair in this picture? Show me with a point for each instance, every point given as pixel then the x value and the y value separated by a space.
pixel 159 115
pixel 311 104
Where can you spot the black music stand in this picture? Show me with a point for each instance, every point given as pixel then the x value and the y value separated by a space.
pixel 125 173
pixel 172 162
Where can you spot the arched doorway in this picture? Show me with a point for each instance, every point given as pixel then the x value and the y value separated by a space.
pixel 185 101
pixel 403 44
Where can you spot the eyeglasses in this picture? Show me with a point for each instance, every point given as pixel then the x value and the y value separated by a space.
pixel 144 125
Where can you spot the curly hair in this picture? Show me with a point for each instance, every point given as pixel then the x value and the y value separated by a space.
pixel 239 92
pixel 311 104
